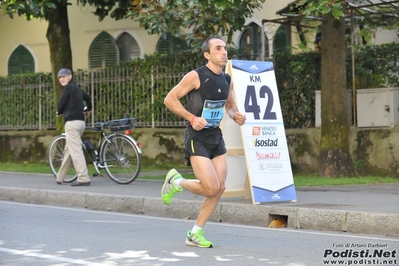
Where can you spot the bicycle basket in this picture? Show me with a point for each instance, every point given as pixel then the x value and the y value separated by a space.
pixel 122 124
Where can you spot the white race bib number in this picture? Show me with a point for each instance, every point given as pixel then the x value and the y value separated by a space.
pixel 213 112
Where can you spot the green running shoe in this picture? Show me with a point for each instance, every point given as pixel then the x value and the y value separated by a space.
pixel 197 240
pixel 169 190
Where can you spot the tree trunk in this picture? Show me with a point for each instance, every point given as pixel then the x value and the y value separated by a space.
pixel 60 47
pixel 335 156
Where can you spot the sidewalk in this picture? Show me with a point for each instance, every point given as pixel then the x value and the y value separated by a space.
pixel 359 209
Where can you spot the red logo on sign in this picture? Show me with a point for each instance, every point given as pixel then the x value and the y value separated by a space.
pixel 255 131
pixel 268 156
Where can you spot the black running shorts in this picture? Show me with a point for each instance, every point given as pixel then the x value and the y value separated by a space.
pixel 208 143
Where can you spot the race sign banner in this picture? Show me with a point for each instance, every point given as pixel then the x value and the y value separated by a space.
pixel 263 134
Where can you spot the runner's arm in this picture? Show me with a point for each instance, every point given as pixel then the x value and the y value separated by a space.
pixel 172 100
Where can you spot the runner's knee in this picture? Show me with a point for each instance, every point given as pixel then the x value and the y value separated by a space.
pixel 214 190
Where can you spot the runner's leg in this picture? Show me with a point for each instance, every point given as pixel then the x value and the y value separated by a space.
pixel 211 175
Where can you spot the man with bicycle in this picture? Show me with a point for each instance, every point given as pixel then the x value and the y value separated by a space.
pixel 70 106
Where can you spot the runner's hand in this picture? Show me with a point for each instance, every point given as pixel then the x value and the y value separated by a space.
pixel 239 118
pixel 199 123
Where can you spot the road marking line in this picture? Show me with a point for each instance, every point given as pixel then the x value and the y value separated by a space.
pixel 49 257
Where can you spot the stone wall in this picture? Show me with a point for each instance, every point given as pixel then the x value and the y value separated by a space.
pixel 31 146
pixel 375 151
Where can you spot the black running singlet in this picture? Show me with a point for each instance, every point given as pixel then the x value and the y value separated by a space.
pixel 209 99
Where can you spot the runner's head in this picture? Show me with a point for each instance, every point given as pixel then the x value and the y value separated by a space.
pixel 206 46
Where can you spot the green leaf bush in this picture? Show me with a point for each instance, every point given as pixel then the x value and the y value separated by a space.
pixel 298 77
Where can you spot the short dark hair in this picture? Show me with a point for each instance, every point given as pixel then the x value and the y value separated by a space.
pixel 206 47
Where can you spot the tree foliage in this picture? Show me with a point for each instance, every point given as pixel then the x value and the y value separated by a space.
pixel 202 17
pixel 321 7
pixel 29 9
pixel 385 13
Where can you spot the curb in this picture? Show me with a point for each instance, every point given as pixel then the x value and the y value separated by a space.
pixel 226 212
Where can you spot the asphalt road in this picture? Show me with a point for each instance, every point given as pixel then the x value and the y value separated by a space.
pixel 360 209
pixel 49 235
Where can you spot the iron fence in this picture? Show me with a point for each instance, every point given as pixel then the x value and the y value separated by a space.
pixel 28 103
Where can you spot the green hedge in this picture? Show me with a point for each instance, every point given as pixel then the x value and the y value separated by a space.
pixel 297 75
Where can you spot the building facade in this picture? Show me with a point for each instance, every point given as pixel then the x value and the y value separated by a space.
pixel 98 44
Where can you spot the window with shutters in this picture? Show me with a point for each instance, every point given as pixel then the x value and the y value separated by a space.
pixel 171 44
pixel 128 48
pixel 20 61
pixel 282 38
pixel 251 40
pixel 103 52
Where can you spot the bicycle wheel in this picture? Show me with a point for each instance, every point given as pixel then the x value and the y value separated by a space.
pixel 121 159
pixel 55 157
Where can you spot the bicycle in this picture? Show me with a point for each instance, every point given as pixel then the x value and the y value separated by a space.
pixel 118 153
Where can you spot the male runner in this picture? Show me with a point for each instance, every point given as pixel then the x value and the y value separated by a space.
pixel 209 91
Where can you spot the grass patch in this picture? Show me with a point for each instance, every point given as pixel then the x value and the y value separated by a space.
pixel 43 167
pixel 25 167
pixel 162 177
pixel 314 180
pixel 148 166
pixel 151 166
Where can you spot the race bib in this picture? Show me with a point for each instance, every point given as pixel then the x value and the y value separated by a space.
pixel 213 112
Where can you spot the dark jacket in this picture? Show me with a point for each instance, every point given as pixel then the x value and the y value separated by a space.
pixel 70 104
